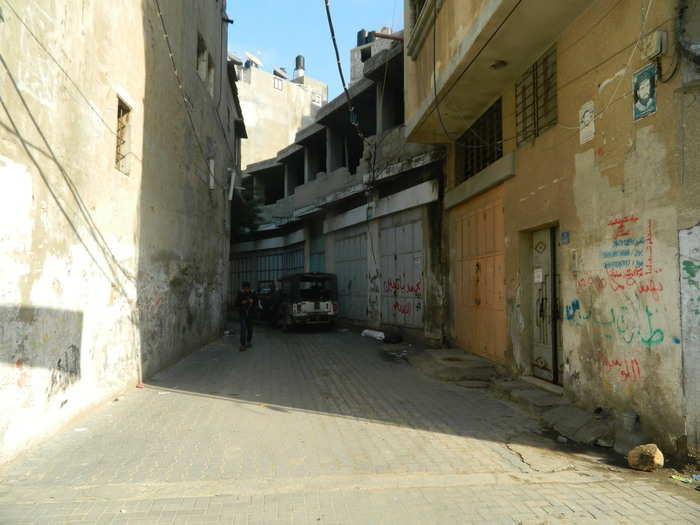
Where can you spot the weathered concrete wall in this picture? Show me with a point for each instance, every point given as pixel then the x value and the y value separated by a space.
pixel 274 116
pixel 615 198
pixel 620 200
pixel 107 276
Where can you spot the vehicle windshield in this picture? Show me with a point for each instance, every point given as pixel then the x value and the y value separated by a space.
pixel 317 289
pixel 266 287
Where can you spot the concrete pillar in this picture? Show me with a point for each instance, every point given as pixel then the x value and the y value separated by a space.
pixel 287 181
pixel 374 270
pixel 381 107
pixel 329 239
pixel 330 157
pixel 308 166
pixel 307 246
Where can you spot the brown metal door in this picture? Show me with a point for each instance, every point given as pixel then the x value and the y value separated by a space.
pixel 477 259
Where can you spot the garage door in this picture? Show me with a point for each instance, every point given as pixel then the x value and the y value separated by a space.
pixel 477 263
pixel 402 269
pixel 351 269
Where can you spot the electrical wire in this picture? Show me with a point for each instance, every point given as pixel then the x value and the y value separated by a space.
pixel 186 100
pixel 48 53
pixel 635 46
pixel 467 67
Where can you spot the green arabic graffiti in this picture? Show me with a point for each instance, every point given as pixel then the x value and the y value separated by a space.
pixel 691 268
pixel 629 324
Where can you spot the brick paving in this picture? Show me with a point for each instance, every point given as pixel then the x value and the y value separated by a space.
pixel 314 427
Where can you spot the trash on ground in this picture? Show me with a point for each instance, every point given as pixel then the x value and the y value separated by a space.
pixel 602 412
pixel 562 439
pixel 696 477
pixel 393 338
pixel 605 443
pixel 164 393
pixel 682 479
pixel 375 334
pixel 645 457
pixel 140 385
pixel 394 355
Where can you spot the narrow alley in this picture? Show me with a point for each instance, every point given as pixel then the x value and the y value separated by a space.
pixel 316 427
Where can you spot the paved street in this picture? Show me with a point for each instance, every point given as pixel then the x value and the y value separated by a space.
pixel 317 428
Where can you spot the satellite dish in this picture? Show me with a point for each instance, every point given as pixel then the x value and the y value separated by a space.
pixel 255 60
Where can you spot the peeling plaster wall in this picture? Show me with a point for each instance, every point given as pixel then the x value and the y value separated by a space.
pixel 95 260
pixel 617 198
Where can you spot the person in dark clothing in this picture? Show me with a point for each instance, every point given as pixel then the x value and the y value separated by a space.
pixel 246 303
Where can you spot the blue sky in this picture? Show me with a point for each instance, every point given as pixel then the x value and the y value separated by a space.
pixel 276 31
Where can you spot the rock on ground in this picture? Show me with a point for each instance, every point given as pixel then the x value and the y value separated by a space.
pixel 645 457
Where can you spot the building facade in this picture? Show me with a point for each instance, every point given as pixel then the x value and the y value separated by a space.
pixel 275 107
pixel 571 193
pixel 116 156
pixel 358 202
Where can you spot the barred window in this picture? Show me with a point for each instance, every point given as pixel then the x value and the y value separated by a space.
pixel 483 141
pixel 536 97
pixel 122 150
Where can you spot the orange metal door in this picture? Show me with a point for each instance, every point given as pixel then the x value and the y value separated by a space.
pixel 477 260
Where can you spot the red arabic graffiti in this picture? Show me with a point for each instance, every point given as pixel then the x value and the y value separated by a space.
pixel 620 225
pixel 629 369
pixel 396 285
pixel 402 309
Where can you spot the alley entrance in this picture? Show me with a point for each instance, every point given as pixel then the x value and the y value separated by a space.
pixel 547 361
pixel 477 260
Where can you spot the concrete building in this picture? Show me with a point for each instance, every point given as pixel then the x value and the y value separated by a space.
pixel 571 193
pixel 119 132
pixel 368 45
pixel 360 203
pixel 275 107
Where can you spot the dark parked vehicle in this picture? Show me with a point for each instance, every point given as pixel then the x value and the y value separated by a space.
pixel 267 302
pixel 307 298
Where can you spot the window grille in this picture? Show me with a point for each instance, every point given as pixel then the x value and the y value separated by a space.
pixel 483 141
pixel 536 97
pixel 122 150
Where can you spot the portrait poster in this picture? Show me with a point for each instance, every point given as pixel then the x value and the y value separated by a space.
pixel 644 92
pixel 586 122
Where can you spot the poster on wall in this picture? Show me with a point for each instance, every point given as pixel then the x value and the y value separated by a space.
pixel 644 91
pixel 586 122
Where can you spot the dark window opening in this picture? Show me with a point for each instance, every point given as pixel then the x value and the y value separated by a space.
pixel 366 53
pixel 483 141
pixel 536 97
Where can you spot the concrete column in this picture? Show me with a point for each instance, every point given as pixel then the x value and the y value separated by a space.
pixel 308 166
pixel 307 246
pixel 374 257
pixel 329 239
pixel 330 151
pixel 287 181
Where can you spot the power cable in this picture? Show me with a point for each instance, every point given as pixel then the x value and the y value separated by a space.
pixel 89 104
pixel 186 100
pixel 467 67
